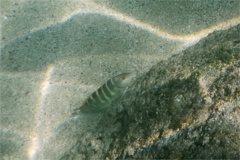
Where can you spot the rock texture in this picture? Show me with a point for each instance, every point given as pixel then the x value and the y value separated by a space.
pixel 187 107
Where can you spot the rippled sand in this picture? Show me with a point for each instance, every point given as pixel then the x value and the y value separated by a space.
pixel 54 54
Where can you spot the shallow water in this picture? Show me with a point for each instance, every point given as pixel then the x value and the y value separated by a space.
pixel 55 54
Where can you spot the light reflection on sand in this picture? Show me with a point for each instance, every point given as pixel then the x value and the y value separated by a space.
pixel 36 135
pixel 47 123
pixel 187 40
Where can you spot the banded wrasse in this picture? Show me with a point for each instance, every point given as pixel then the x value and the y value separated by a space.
pixel 109 91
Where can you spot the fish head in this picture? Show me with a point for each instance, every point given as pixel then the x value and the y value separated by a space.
pixel 123 80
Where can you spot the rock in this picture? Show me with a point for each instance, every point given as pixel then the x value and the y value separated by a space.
pixel 186 107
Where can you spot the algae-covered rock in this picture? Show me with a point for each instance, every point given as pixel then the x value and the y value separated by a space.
pixel 186 107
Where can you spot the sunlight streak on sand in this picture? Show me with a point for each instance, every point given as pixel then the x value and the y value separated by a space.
pixel 192 39
pixel 187 40
pixel 36 134
pixel 102 10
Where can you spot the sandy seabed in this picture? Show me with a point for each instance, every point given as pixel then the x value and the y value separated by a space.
pixel 54 54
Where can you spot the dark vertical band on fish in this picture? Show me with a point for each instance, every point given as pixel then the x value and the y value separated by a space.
pixel 108 92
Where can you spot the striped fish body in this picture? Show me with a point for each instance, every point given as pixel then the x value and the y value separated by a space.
pixel 111 90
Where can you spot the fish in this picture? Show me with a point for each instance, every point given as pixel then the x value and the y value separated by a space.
pixel 104 95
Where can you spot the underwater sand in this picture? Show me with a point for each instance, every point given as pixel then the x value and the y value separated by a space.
pixel 54 54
